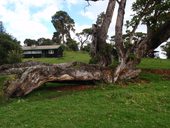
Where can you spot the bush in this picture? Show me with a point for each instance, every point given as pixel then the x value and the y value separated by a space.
pixel 72 45
pixel 166 48
pixel 86 48
pixel 10 50
pixel 14 56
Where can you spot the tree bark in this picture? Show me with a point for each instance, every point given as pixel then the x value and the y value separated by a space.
pixel 99 51
pixel 27 78
pixel 125 70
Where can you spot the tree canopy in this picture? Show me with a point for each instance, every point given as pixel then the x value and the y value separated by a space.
pixel 10 50
pixel 63 24
pixel 84 36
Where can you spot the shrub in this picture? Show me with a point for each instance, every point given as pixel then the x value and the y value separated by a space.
pixel 10 50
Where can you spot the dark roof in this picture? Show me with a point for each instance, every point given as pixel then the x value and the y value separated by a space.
pixel 44 47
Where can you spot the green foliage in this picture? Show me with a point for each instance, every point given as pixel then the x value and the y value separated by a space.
pixel 106 52
pixel 84 36
pixel 56 37
pixel 72 44
pixel 100 18
pixel 10 50
pixel 43 41
pixel 40 41
pixel 63 24
pixel 166 48
pixel 87 48
pixel 154 13
pixel 2 29
pixel 30 42
pixel 14 56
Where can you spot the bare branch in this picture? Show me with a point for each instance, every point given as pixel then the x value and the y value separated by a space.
pixel 118 1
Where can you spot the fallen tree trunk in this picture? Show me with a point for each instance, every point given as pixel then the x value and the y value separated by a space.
pixel 28 77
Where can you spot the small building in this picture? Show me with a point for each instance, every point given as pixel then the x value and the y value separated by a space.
pixel 42 51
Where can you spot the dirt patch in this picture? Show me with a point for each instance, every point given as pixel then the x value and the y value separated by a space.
pixel 165 72
pixel 71 88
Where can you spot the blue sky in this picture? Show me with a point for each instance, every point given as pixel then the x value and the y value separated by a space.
pixel 32 18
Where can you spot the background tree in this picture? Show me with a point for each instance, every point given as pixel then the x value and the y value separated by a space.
pixel 166 48
pixel 87 47
pixel 63 24
pixel 30 42
pixel 100 19
pixel 84 36
pixel 10 50
pixel 44 41
pixel 56 38
pixel 72 45
pixel 2 29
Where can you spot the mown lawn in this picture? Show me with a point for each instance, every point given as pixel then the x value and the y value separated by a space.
pixel 145 104
pixel 150 63
pixel 69 56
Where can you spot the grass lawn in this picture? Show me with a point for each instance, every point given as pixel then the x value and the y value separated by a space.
pixel 69 56
pixel 150 63
pixel 138 105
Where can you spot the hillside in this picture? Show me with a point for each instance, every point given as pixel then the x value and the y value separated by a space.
pixel 143 102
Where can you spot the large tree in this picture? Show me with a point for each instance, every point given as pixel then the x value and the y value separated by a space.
pixel 154 14
pixel 63 24
pixel 30 42
pixel 100 52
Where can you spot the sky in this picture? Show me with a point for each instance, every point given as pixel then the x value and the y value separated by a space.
pixel 32 18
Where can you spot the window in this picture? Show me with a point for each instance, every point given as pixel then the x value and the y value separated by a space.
pixel 50 51
pixel 32 52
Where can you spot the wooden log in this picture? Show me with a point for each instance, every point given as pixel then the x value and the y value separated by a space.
pixel 30 77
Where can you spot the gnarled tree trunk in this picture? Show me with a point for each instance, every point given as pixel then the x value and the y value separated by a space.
pixel 99 51
pixel 27 78
pixel 130 58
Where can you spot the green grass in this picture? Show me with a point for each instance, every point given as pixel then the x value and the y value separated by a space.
pixel 69 56
pixel 138 105
pixel 150 63
pixel 134 106
pixel 2 97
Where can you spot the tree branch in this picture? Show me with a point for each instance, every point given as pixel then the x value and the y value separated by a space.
pixel 118 1
pixel 118 30
pixel 138 22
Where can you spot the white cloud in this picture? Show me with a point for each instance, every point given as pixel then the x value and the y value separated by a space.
pixel 22 23
pixel 79 28
pixel 94 9
pixel 72 1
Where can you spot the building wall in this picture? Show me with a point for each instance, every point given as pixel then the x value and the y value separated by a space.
pixel 43 53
